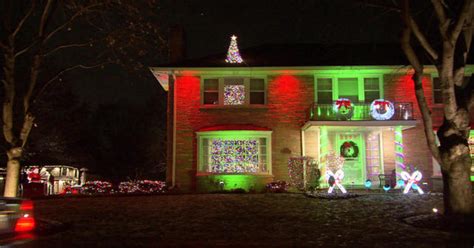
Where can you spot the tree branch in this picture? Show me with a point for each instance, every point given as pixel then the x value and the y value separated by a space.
pixel 26 48
pixel 44 18
pixel 67 46
pixel 439 10
pixel 460 22
pixel 46 85
pixel 417 80
pixel 444 22
pixel 421 38
pixel 3 46
pixel 73 17
pixel 409 52
pixel 26 128
pixel 23 20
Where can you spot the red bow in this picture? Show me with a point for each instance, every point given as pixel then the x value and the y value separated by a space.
pixel 343 102
pixel 383 104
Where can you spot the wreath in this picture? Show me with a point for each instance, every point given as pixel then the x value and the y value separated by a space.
pixel 343 108
pixel 349 149
pixel 381 109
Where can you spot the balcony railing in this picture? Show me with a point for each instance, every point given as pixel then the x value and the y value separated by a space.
pixel 361 112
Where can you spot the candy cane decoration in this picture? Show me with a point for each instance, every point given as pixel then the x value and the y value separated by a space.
pixel 412 181
pixel 338 176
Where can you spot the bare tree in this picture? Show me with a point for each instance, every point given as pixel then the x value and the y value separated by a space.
pixel 448 50
pixel 40 46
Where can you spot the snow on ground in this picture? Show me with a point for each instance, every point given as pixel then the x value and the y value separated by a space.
pixel 244 220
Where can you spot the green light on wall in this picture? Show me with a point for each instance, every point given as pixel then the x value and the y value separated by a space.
pixel 247 182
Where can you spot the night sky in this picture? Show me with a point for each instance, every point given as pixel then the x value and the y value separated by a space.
pixel 209 24
pixel 123 110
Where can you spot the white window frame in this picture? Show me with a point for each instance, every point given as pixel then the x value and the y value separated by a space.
pixel 360 84
pixel 232 134
pixel 246 83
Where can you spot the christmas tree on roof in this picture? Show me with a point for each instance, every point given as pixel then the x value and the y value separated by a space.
pixel 233 55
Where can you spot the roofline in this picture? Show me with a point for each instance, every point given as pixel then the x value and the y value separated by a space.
pixel 293 69
pixel 162 73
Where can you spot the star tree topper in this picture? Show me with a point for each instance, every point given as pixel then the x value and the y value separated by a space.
pixel 233 55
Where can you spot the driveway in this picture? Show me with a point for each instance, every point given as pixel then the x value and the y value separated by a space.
pixel 243 220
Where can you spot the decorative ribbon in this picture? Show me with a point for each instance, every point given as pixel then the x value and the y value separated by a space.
pixel 343 102
pixel 383 104
pixel 412 181
pixel 338 176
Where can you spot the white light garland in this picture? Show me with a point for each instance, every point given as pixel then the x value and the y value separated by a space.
pixel 338 176
pixel 381 109
pixel 412 181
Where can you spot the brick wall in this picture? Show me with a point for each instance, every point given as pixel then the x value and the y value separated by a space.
pixel 288 98
pixel 399 87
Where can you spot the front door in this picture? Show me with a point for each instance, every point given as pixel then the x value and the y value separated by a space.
pixel 351 146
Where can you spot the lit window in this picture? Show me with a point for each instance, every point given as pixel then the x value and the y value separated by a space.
pixel 233 91
pixel 371 89
pixel 234 152
pixel 356 88
pixel 324 88
pixel 348 89
pixel 211 91
pixel 257 91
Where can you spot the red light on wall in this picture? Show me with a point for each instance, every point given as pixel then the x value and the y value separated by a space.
pixel 26 223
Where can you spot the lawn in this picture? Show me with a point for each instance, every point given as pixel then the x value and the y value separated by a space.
pixel 244 220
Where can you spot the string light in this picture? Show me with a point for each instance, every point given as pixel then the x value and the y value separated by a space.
pixel 381 109
pixel 233 54
pixel 97 187
pixel 343 108
pixel 412 181
pixel 234 156
pixel 142 186
pixel 338 176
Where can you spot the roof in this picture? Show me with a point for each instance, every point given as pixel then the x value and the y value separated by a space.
pixel 288 55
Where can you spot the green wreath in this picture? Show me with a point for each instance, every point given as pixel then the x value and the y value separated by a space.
pixel 349 149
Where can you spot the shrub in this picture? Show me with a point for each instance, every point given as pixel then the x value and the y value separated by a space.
pixel 97 187
pixel 142 186
pixel 277 187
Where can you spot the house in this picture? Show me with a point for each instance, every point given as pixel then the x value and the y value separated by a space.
pixel 56 178
pixel 235 125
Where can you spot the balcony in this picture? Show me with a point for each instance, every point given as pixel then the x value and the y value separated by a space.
pixel 325 112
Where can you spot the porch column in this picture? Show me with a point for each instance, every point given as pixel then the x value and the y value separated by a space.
pixel 323 148
pixel 399 155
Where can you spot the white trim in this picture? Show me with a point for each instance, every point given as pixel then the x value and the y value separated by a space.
pixel 296 70
pixel 360 83
pixel 405 124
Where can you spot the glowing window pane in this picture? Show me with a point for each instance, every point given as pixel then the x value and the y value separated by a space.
pixel 234 156
pixel 234 95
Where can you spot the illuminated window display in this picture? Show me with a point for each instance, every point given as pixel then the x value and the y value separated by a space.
pixel 234 152
pixel 234 94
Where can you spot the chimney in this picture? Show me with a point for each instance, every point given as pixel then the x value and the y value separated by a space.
pixel 176 44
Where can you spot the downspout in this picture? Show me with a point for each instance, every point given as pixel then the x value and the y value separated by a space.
pixel 173 171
